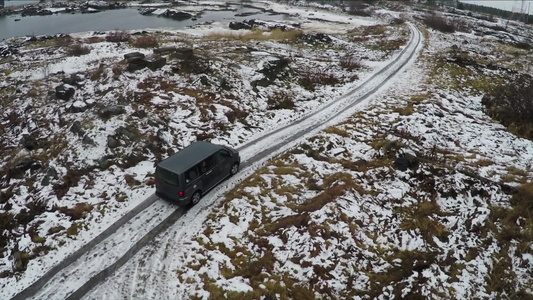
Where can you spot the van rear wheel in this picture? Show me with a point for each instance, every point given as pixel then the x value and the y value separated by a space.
pixel 195 198
pixel 234 169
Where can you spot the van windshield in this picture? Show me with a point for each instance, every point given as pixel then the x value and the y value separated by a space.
pixel 166 176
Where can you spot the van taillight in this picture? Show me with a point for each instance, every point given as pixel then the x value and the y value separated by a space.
pixel 182 194
pixel 155 182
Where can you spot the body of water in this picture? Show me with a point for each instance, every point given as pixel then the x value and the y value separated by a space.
pixel 118 19
pixel 8 3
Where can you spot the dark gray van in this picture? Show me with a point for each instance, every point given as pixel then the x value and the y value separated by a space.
pixel 185 176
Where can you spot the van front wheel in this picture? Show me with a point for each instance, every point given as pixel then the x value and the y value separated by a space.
pixel 195 198
pixel 234 169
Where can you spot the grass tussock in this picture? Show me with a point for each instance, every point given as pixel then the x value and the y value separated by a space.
pixel 79 211
pixel 338 131
pixel 78 50
pixel 388 45
pixel 409 263
pixel 424 217
pixel 374 30
pixel 406 110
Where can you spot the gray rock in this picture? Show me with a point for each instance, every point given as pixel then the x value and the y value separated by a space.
pixel 127 135
pixel 137 65
pixel 132 160
pixel 88 141
pixel 164 50
pixel 29 142
pixel 112 142
pixel 74 80
pixel 22 165
pixel 406 161
pixel 105 162
pixel 183 53
pixel 18 263
pixel 76 128
pixel 50 174
pixel 65 92
pixel 156 63
pixel 110 111
pixel 77 107
pixel 133 56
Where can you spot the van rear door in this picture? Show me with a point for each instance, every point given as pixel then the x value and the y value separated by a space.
pixel 167 183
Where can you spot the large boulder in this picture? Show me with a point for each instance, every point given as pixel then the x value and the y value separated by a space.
pixel 65 92
pixel 113 142
pixel 156 63
pixel 137 64
pixel 133 56
pixel 183 53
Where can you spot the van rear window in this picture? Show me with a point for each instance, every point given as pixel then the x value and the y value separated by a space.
pixel 166 176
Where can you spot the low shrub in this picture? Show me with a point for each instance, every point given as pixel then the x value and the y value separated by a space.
pixel 78 50
pixel 350 62
pixel 145 42
pixel 439 23
pixel 281 100
pixel 310 78
pixel 118 36
pixel 511 104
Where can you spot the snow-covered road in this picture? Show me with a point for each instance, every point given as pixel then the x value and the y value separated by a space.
pixel 114 248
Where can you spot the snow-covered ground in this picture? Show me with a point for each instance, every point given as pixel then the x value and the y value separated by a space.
pixel 328 218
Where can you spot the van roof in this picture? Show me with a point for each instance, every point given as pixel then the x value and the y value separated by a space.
pixel 188 156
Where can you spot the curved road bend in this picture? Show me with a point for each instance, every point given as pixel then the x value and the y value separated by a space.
pixel 252 153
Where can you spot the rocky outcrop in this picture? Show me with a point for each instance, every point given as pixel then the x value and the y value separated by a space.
pixel 176 15
pixel 138 61
pixel 253 24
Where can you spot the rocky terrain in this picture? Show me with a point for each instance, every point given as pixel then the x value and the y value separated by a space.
pixel 425 193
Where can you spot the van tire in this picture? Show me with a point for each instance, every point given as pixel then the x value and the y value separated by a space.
pixel 234 169
pixel 195 198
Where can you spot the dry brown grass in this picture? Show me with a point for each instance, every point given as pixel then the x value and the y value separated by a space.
pixel 258 35
pixel 424 217
pixel 79 211
pixel 148 41
pixel 78 50
pixel 338 131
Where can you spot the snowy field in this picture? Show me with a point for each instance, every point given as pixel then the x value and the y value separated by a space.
pixel 332 217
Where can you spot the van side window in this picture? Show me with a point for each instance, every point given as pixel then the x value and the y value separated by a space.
pixel 191 175
pixel 222 155
pixel 208 164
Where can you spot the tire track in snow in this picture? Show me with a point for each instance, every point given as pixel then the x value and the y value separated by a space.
pixel 252 152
